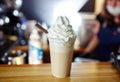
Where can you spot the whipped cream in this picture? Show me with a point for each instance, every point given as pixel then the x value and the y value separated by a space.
pixel 62 31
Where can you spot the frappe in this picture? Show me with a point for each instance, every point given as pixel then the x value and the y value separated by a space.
pixel 61 39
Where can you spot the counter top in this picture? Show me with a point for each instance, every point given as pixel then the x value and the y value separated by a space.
pixel 25 48
pixel 46 52
pixel 80 72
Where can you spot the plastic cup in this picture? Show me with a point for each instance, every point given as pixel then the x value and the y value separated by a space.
pixel 61 55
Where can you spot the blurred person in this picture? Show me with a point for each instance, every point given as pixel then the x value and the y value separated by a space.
pixel 109 33
pixel 106 38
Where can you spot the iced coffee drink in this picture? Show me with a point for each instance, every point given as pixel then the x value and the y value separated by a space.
pixel 61 39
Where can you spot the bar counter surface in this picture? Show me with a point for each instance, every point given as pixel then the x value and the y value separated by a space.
pixel 80 72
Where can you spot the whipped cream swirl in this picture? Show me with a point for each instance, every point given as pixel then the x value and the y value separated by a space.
pixel 62 31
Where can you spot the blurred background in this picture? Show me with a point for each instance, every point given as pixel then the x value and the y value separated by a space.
pixel 17 19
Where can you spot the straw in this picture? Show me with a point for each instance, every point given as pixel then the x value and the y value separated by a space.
pixel 41 28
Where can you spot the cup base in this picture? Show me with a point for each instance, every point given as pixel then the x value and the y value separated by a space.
pixel 58 76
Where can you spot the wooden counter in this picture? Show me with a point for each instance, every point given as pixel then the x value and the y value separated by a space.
pixel 46 52
pixel 25 48
pixel 81 72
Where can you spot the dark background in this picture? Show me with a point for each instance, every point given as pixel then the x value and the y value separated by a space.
pixel 28 8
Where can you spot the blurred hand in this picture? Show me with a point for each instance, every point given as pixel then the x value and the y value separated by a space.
pixel 95 27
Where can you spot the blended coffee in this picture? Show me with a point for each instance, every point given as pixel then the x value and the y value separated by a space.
pixel 61 38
